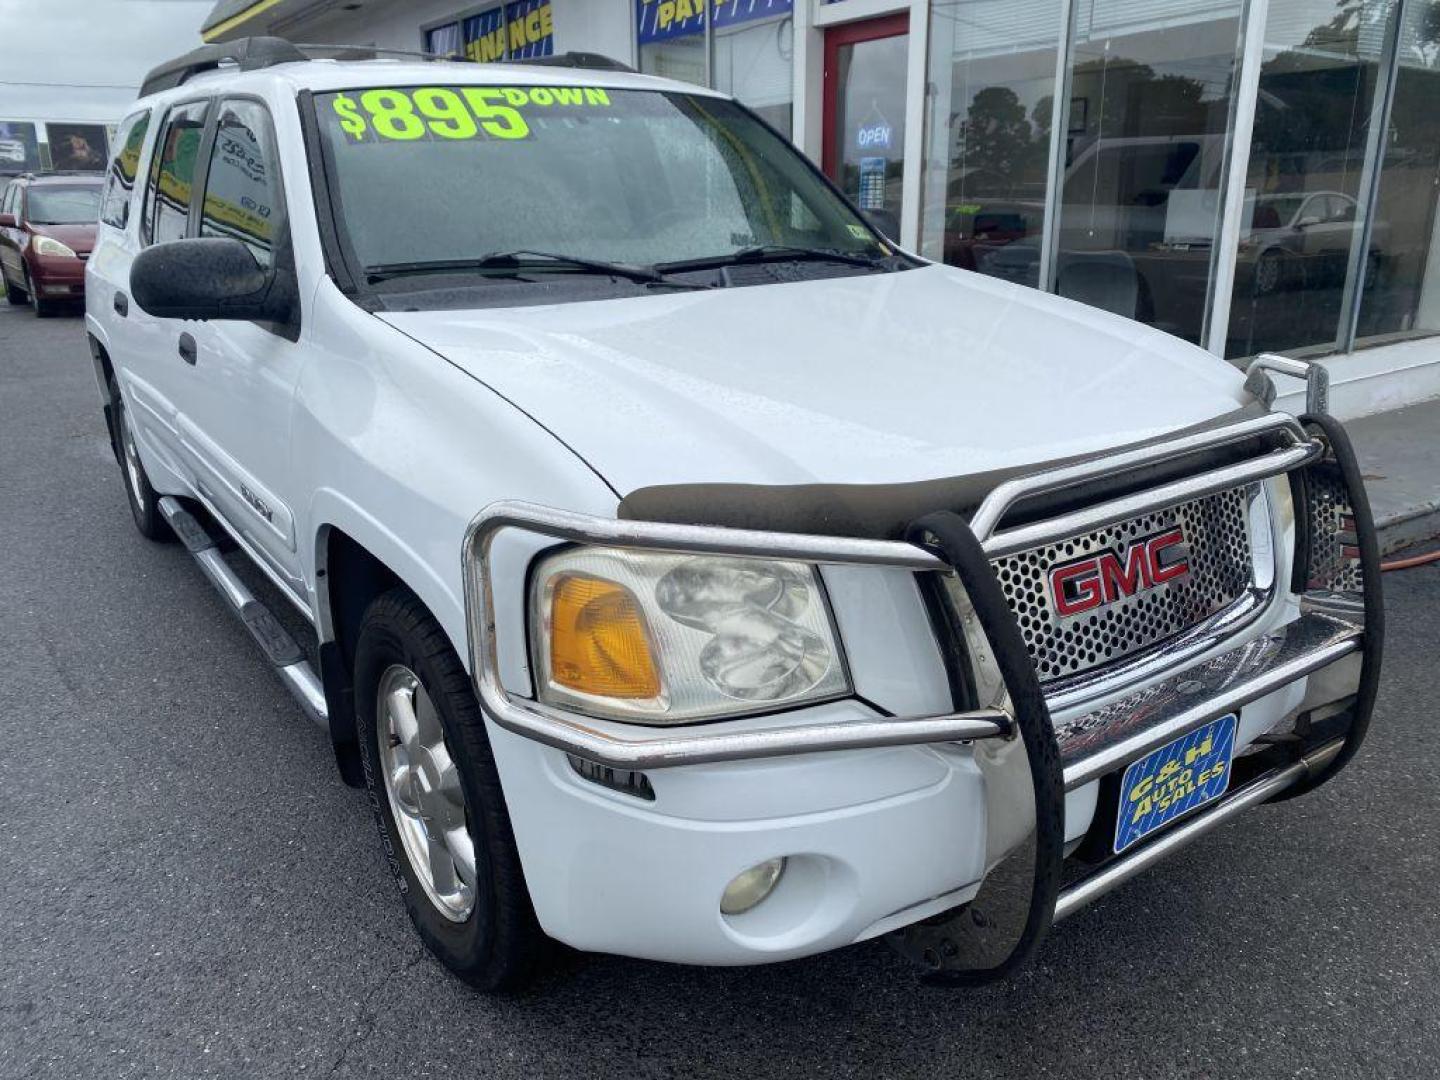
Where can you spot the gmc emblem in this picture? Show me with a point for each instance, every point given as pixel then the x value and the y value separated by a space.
pixel 1107 576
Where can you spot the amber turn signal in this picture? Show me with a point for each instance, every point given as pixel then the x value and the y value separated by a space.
pixel 599 643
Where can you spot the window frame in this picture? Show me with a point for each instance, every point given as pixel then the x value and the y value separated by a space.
pixel 202 174
pixel 152 166
pixel 141 168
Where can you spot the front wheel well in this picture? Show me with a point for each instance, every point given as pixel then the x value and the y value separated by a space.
pixel 349 578
pixel 105 377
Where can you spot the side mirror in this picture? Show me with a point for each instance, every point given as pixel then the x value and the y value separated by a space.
pixel 7 221
pixel 1306 222
pixel 209 278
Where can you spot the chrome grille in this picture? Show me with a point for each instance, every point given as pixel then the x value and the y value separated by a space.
pixel 1217 531
pixel 1334 551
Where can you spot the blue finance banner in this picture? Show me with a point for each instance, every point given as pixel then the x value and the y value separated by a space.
pixel 531 27
pixel 521 30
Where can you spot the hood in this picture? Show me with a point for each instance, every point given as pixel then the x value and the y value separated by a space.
pixel 78 238
pixel 872 379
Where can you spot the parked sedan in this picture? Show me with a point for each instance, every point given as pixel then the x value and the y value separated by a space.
pixel 1305 238
pixel 47 229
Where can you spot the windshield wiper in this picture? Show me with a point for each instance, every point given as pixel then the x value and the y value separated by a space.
pixel 513 261
pixel 774 252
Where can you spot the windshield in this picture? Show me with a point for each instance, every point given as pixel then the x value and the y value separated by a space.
pixel 445 175
pixel 63 205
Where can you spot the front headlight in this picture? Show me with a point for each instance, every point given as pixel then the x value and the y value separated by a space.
pixel 664 639
pixel 47 245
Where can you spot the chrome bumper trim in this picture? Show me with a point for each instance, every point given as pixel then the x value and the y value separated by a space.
pixel 1102 741
pixel 572 735
pixel 1274 463
pixel 650 748
pixel 988 517
pixel 1259 790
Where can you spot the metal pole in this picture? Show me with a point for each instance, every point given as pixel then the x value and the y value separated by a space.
pixel 1059 129
pixel 1232 223
pixel 1369 192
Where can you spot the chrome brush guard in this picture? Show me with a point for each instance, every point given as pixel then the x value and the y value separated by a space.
pixel 1029 761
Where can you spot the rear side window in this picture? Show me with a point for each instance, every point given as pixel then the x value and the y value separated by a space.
pixel 120 183
pixel 243 199
pixel 167 198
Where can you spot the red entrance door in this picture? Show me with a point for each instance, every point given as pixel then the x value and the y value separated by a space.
pixel 863 145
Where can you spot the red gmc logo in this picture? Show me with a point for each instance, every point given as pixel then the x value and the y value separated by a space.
pixel 1103 578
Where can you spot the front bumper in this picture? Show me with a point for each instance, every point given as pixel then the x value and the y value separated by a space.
pixel 889 821
pixel 57 277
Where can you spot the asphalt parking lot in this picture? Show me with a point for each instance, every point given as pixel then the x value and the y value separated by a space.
pixel 188 890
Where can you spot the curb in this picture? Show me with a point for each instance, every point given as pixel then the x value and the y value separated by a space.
pixel 1409 527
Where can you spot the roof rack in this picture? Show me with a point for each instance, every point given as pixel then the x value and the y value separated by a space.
pixel 253 53
pixel 371 52
pixel 248 54
pixel 594 61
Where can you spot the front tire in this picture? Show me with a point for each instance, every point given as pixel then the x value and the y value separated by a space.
pixel 1269 273
pixel 144 503
pixel 13 293
pixel 437 798
pixel 43 308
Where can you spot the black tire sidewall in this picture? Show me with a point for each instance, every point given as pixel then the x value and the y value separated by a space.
pixel 482 949
pixel 148 518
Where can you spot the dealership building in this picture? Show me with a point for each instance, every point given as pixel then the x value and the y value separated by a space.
pixel 1249 175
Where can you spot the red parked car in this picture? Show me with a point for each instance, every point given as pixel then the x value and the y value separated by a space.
pixel 47 229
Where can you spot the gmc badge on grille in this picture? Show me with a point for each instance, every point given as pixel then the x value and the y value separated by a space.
pixel 1107 576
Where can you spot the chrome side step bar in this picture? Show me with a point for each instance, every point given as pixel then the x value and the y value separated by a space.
pixel 274 640
pixel 1262 788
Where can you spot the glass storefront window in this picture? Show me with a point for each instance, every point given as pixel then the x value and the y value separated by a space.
pixel 672 39
pixel 1307 158
pixel 1402 279
pixel 1148 117
pixel 754 61
pixel 992 70
pixel 752 45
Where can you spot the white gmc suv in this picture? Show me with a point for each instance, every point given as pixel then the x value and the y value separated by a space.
pixel 693 574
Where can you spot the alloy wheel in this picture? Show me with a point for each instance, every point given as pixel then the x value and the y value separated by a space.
pixel 134 472
pixel 423 786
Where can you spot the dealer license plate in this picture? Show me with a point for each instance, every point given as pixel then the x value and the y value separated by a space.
pixel 1170 782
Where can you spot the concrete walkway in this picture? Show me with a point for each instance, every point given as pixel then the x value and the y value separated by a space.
pixel 1400 454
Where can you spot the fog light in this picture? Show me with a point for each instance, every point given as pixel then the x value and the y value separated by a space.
pixel 751 886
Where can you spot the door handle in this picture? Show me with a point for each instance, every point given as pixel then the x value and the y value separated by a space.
pixel 122 304
pixel 187 349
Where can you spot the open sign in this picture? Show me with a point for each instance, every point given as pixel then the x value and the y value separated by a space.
pixel 874 137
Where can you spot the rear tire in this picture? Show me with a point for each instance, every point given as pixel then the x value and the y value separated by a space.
pixel 437 798
pixel 14 294
pixel 144 503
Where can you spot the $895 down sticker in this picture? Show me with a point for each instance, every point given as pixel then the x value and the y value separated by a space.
pixel 462 112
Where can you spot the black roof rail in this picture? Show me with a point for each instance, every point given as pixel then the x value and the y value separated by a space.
pixel 594 61
pixel 246 53
pixel 372 52
pixel 252 53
